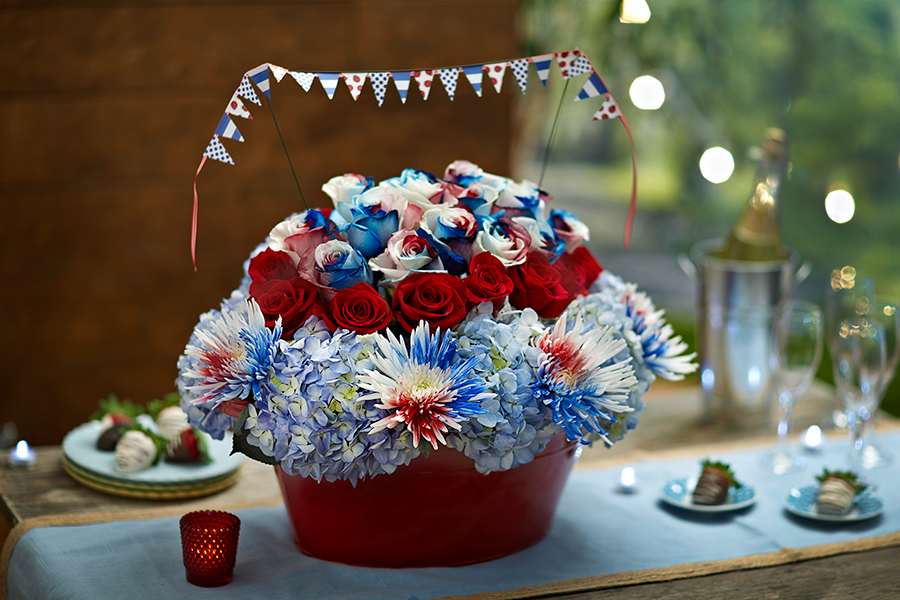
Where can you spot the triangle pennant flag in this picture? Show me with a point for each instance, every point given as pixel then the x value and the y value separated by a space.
pixel 236 107
pixel 474 74
pixel 448 78
pixel 260 76
pixel 423 80
pixel 609 110
pixel 228 129
pixel 572 63
pixel 542 64
pixel 245 90
pixel 401 80
pixel 278 72
pixel 379 84
pixel 520 70
pixel 355 83
pixel 216 151
pixel 329 81
pixel 495 72
pixel 592 87
pixel 304 79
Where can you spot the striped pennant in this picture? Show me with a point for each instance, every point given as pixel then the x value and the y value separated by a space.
pixel 520 70
pixel 260 76
pixel 609 110
pixel 355 83
pixel 227 129
pixel 236 107
pixel 216 151
pixel 448 78
pixel 304 79
pixel 401 80
pixel 474 74
pixel 245 90
pixel 495 72
pixel 329 81
pixel 379 84
pixel 592 87
pixel 542 64
pixel 424 80
pixel 278 72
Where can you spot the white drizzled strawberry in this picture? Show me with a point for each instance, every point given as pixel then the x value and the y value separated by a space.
pixel 172 421
pixel 837 490
pixel 715 479
pixel 188 447
pixel 136 451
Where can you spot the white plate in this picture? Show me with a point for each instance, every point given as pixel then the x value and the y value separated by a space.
pixel 802 502
pixel 679 492
pixel 80 447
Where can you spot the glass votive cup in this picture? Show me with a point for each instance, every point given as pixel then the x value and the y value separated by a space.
pixel 209 540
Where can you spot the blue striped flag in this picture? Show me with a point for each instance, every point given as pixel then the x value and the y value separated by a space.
pixel 542 64
pixel 592 87
pixel 474 74
pixel 401 80
pixel 329 82
pixel 227 129
pixel 260 76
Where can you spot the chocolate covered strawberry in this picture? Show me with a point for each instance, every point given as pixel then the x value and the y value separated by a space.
pixel 715 479
pixel 137 450
pixel 116 417
pixel 188 447
pixel 837 490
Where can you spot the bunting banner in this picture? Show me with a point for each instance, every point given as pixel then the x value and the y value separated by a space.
pixel 571 63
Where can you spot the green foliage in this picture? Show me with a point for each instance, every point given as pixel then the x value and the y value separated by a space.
pixel 848 476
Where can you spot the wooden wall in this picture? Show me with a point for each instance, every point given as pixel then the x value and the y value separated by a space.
pixel 105 111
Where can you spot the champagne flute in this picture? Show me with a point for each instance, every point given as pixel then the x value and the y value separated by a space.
pixel 850 295
pixel 796 352
pixel 860 363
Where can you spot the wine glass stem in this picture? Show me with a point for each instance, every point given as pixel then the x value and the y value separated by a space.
pixel 855 425
pixel 785 421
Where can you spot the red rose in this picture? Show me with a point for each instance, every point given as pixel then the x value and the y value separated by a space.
pixel 487 280
pixel 291 299
pixel 540 286
pixel 360 309
pixel 437 298
pixel 271 264
pixel 583 268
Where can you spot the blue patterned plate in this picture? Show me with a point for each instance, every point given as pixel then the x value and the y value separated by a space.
pixel 802 502
pixel 679 492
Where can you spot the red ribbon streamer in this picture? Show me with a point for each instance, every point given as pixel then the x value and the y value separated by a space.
pixel 196 213
pixel 630 219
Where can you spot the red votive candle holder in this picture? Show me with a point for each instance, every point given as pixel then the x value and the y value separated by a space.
pixel 209 540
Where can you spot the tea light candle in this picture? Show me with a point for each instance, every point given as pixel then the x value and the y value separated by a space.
pixel 209 540
pixel 812 439
pixel 22 456
pixel 627 481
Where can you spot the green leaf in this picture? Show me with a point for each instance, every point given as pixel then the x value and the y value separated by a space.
pixel 425 448
pixel 848 476
pixel 240 444
pixel 724 469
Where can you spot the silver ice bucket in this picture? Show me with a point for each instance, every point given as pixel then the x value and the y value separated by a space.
pixel 736 306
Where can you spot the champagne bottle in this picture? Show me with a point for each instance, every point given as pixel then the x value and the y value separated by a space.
pixel 756 236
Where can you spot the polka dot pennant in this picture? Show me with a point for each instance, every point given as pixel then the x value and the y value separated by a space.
pixel 329 82
pixel 609 110
pixel 495 72
pixel 520 70
pixel 448 78
pixel 278 72
pixel 379 84
pixel 401 80
pixel 237 108
pixel 474 74
pixel 304 79
pixel 260 76
pixel 572 63
pixel 355 83
pixel 424 80
pixel 216 151
pixel 245 90
pixel 542 64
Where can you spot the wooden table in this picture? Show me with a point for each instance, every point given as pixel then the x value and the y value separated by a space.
pixel 671 425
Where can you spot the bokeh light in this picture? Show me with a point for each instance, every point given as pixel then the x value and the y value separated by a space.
pixel 717 165
pixel 839 206
pixel 634 11
pixel 647 92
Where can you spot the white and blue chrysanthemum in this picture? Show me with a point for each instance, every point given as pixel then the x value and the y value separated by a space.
pixel 578 378
pixel 662 352
pixel 231 354
pixel 426 388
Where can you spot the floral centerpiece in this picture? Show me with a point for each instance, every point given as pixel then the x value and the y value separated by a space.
pixel 423 312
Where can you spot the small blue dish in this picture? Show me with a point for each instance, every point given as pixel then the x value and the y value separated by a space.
pixel 680 492
pixel 802 502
